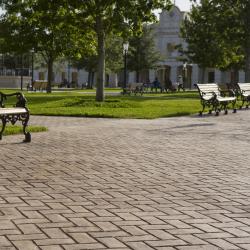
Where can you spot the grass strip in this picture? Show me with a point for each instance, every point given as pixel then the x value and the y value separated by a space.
pixel 15 129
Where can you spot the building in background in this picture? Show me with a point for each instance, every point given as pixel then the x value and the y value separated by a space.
pixel 167 38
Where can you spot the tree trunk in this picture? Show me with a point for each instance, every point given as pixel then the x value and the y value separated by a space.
pixel 203 70
pixel 50 72
pixel 101 60
pixel 89 79
pixel 137 76
pixel 235 76
pixel 92 79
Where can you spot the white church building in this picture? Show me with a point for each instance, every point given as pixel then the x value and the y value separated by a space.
pixel 167 36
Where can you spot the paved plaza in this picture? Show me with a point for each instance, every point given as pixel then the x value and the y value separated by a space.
pixel 165 184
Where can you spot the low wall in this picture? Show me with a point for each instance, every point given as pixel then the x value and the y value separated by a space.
pixel 14 81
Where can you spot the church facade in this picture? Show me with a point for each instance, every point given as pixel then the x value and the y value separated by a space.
pixel 167 37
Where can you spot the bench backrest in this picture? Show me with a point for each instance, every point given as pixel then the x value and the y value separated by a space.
pixel 244 86
pixel 208 89
pixel 135 84
pixel 40 84
pixel 20 99
pixel 36 85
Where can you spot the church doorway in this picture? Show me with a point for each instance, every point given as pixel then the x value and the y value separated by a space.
pixel 163 74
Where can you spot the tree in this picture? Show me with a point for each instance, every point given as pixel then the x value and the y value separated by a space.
pixel 42 25
pixel 89 63
pixel 113 58
pixel 199 31
pixel 217 33
pixel 113 16
pixel 142 53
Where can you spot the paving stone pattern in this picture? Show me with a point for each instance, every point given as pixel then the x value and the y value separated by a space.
pixel 176 183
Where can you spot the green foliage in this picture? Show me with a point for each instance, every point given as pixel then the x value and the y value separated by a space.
pixel 142 52
pixel 44 26
pixel 218 34
pixel 122 17
pixel 114 56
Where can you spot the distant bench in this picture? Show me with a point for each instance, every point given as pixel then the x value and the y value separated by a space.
pixel 215 99
pixel 244 93
pixel 39 85
pixel 134 88
pixel 13 114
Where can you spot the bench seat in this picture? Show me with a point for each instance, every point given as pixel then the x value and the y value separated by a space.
pixel 226 99
pixel 11 111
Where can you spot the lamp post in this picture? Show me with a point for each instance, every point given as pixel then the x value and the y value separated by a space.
pixel 184 74
pixel 32 67
pixel 22 72
pixel 125 52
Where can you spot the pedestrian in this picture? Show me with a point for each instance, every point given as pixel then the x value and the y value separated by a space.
pixel 180 83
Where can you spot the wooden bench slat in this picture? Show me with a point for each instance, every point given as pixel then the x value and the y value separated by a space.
pixel 9 111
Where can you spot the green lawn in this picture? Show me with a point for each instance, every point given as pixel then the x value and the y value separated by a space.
pixel 12 130
pixel 149 106
pixel 146 106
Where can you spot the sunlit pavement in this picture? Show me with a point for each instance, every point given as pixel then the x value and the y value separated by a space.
pixel 175 183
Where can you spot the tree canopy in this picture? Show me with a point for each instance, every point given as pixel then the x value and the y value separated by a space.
pixel 122 17
pixel 57 27
pixel 142 53
pixel 218 34
pixel 44 26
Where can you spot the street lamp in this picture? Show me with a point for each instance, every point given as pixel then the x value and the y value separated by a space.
pixel 125 52
pixel 184 74
pixel 32 67
pixel 22 72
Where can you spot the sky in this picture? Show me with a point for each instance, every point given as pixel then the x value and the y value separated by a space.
pixel 184 5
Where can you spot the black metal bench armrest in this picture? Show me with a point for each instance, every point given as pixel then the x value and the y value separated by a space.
pixel 21 100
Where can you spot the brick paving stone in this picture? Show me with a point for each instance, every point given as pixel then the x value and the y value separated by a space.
pixel 84 246
pixel 51 247
pixel 25 245
pixel 82 238
pixel 4 242
pixel 20 237
pixel 200 247
pixel 123 184
pixel 165 243
pixel 55 233
pixel 223 244
pixel 111 242
pixel 244 246
pixel 139 246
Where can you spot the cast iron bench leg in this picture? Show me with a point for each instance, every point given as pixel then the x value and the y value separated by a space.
pixel 27 134
pixel 3 127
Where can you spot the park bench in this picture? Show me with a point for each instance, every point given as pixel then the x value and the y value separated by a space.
pixel 134 88
pixel 212 97
pixel 13 114
pixel 39 85
pixel 244 93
